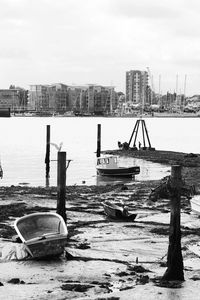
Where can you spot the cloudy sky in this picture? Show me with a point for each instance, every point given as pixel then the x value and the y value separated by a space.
pixel 97 41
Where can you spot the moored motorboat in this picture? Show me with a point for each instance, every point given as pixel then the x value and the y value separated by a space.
pixel 118 212
pixel 109 166
pixel 43 234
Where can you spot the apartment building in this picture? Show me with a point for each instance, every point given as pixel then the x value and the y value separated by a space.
pixel 38 97
pixel 87 99
pixel 101 99
pixel 137 86
pixel 48 98
pixel 14 98
pixel 58 97
pixel 78 98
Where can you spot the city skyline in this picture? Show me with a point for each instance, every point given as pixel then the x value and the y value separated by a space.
pixel 97 41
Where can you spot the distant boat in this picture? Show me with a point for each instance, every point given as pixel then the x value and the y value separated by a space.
pixel 29 114
pixel 195 204
pixel 109 166
pixel 43 234
pixel 68 114
pixel 118 212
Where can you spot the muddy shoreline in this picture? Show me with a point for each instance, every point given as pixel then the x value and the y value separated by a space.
pixel 105 259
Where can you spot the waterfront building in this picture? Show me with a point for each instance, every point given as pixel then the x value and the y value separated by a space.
pixel 137 89
pixel 102 99
pixel 93 99
pixel 38 98
pixel 77 99
pixel 14 98
pixel 48 98
pixel 60 98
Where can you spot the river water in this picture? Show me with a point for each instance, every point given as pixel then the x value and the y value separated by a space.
pixel 23 146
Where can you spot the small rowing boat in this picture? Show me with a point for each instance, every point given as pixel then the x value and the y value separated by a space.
pixel 118 212
pixel 43 234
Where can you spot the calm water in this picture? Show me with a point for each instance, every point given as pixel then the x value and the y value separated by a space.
pixel 23 145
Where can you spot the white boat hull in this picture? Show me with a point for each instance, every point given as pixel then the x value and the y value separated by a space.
pixel 195 204
pixel 43 234
pixel 108 166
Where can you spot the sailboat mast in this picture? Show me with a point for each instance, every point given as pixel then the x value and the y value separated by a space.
pixel 184 89
pixel 111 99
pixel 176 99
pixel 159 89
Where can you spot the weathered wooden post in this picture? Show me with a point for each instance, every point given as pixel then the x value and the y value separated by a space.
pixel 47 182
pixel 174 257
pixel 98 140
pixel 61 185
pixel 47 157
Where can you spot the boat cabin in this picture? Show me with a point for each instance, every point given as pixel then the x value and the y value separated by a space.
pixel 107 162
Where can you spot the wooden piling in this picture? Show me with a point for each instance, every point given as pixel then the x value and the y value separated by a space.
pixel 47 157
pixel 174 257
pixel 98 140
pixel 61 185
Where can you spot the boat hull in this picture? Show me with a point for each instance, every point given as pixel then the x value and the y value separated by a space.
pixel 43 234
pixel 115 212
pixel 119 172
pixel 46 248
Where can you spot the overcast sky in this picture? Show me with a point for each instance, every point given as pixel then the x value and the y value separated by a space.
pixel 97 41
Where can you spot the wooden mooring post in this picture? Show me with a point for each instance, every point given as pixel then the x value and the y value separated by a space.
pixel 98 140
pixel 174 257
pixel 47 157
pixel 61 185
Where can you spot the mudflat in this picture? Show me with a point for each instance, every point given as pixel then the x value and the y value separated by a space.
pixel 104 259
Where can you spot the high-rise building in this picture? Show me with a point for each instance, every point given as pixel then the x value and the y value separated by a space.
pixel 136 86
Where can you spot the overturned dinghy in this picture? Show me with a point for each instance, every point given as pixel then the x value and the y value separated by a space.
pixel 117 212
pixel 43 234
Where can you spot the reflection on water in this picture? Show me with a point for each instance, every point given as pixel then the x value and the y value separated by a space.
pixel 103 180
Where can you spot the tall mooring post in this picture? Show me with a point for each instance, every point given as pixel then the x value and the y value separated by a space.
pixel 98 140
pixel 47 157
pixel 174 257
pixel 61 185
